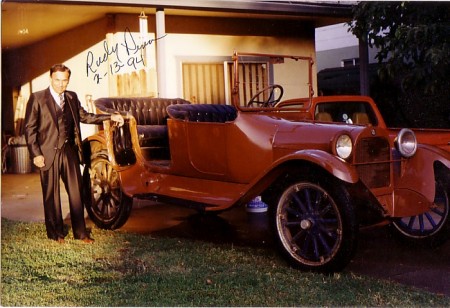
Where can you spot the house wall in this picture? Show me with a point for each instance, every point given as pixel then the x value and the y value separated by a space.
pixel 335 43
pixel 93 55
pixel 333 58
pixel 221 47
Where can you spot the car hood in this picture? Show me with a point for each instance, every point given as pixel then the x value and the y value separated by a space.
pixel 311 135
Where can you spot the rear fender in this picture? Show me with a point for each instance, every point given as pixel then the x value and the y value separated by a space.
pixel 105 141
pixel 91 144
pixel 123 148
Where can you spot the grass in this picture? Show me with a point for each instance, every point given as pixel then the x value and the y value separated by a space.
pixel 123 269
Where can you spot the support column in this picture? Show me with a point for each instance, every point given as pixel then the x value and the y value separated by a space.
pixel 110 30
pixel 161 52
pixel 364 83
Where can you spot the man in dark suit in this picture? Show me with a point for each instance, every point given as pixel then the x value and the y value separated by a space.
pixel 52 131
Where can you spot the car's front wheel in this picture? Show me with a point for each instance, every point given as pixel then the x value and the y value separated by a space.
pixel 315 225
pixel 108 207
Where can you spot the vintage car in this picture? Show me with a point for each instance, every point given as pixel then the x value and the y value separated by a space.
pixel 322 181
pixel 362 110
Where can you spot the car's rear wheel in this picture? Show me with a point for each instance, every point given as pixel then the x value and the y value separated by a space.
pixel 315 225
pixel 108 207
pixel 431 228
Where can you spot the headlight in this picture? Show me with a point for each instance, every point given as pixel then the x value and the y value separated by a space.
pixel 344 146
pixel 406 142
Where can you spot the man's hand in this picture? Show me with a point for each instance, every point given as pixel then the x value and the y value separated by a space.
pixel 39 161
pixel 117 118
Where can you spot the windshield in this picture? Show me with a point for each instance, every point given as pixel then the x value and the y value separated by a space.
pixel 346 112
pixel 269 81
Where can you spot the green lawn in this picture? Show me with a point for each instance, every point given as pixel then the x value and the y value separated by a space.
pixel 123 269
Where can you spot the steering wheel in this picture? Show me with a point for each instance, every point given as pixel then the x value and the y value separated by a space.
pixel 272 98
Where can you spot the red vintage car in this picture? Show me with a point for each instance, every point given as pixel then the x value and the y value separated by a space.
pixel 322 181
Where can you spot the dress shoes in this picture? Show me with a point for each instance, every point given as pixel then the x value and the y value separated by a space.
pixel 87 240
pixel 61 240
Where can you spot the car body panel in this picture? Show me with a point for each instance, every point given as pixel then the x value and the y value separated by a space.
pixel 224 185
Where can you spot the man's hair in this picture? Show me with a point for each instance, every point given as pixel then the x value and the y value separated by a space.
pixel 59 68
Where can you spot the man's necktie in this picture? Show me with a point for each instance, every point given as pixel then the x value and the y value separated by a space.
pixel 61 101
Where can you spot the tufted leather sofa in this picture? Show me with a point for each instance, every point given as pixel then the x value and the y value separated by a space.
pixel 151 119
pixel 202 113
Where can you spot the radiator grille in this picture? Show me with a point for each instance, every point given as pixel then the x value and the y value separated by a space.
pixel 374 154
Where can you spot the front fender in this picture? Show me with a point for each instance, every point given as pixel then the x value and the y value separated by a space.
pixel 418 172
pixel 334 165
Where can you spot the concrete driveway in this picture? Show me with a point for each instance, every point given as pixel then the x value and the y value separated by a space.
pixel 378 255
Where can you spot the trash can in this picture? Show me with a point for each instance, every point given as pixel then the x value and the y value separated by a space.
pixel 20 158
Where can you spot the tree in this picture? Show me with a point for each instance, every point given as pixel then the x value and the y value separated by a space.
pixel 413 42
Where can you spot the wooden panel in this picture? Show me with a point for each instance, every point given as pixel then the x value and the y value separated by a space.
pixel 203 83
pixel 137 83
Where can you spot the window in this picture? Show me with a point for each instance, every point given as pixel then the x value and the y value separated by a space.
pixel 211 83
pixel 346 112
pixel 350 62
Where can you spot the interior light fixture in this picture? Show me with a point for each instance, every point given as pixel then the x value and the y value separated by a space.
pixel 143 25
pixel 143 30
pixel 23 31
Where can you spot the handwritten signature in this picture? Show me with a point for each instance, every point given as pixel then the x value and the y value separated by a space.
pixel 113 59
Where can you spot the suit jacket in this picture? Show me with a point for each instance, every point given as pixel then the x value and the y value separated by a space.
pixel 41 123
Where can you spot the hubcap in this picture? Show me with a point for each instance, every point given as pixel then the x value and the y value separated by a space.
pixel 305 224
pixel 105 188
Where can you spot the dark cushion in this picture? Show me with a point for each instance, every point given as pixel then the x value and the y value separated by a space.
pixel 146 110
pixel 202 113
pixel 152 134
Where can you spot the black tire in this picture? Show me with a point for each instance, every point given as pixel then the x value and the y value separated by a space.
pixel 431 228
pixel 315 225
pixel 108 207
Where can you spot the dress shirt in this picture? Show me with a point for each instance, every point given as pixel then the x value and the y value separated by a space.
pixel 55 96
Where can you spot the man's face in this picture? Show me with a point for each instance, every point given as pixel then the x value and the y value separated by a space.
pixel 59 81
